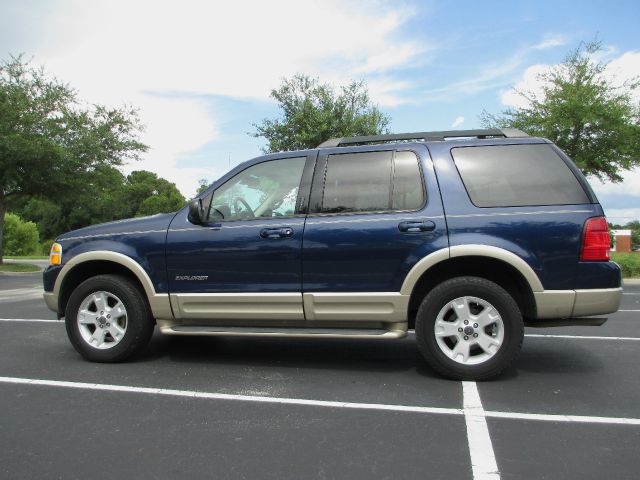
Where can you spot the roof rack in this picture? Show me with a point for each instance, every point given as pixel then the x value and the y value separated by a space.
pixel 424 136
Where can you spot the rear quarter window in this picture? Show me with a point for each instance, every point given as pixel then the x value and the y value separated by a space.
pixel 517 175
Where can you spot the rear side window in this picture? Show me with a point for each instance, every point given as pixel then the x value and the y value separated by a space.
pixel 517 175
pixel 372 182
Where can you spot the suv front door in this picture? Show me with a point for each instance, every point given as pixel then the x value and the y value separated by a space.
pixel 244 262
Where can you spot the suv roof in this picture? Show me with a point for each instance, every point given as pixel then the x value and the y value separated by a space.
pixel 424 136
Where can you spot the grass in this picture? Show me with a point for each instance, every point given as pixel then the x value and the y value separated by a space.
pixel 629 263
pixel 19 267
pixel 27 257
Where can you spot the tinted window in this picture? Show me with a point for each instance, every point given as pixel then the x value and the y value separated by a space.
pixel 361 182
pixel 268 189
pixel 408 193
pixel 357 182
pixel 517 175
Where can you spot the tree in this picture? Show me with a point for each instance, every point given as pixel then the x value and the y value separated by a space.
pixel 313 112
pixel 21 237
pixel 50 141
pixel 108 195
pixel 146 194
pixel 203 184
pixel 595 122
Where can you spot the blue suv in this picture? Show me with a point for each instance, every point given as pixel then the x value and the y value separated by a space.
pixel 464 236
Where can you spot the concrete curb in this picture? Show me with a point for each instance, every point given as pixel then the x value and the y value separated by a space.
pixel 17 274
pixel 631 281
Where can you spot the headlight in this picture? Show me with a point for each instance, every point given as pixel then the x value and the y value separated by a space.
pixel 55 256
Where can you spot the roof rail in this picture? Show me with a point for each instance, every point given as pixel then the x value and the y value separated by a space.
pixel 424 136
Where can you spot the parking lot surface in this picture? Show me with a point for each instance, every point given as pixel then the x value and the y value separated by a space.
pixel 304 408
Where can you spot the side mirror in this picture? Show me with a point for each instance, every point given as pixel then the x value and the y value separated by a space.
pixel 196 211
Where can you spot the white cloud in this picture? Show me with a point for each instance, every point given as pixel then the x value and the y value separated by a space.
pixel 530 82
pixel 457 122
pixel 161 56
pixel 493 75
pixel 623 69
pixel 622 215
pixel 174 127
pixel 239 48
pixel 630 185
pixel 550 42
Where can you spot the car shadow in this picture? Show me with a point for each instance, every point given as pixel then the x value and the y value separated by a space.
pixel 292 353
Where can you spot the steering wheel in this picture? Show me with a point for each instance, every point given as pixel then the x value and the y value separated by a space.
pixel 239 200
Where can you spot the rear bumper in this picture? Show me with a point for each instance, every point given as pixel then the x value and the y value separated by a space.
pixel 577 303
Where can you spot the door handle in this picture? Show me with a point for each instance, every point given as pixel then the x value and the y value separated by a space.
pixel 283 232
pixel 416 226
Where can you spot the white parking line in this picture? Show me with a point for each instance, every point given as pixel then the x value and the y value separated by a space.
pixel 27 320
pixel 564 418
pixel 483 460
pixel 629 310
pixel 227 396
pixel 582 337
pixel 317 403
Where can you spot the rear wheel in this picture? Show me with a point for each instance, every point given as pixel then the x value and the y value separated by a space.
pixel 108 319
pixel 469 328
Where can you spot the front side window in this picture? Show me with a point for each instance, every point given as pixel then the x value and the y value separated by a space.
pixel 265 190
pixel 372 182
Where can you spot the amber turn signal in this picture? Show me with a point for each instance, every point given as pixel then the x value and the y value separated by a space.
pixel 55 257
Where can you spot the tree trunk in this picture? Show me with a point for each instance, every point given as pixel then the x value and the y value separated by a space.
pixel 2 211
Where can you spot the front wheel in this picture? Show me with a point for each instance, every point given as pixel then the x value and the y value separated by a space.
pixel 469 328
pixel 108 319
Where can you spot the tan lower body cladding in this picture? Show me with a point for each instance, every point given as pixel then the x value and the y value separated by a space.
pixel 368 307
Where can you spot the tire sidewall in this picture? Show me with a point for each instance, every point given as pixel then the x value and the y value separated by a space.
pixel 139 324
pixel 473 287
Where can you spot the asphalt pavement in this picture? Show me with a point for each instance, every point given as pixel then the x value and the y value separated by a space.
pixel 306 408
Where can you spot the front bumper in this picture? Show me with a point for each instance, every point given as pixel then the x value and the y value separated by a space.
pixel 577 303
pixel 51 300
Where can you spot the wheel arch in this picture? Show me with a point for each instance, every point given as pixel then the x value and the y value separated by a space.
pixel 492 263
pixel 89 264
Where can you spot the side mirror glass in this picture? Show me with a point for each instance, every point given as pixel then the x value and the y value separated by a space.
pixel 196 211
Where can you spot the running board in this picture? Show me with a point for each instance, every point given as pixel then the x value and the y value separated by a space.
pixel 280 332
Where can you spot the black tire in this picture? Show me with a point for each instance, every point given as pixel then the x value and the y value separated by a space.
pixel 496 296
pixel 139 321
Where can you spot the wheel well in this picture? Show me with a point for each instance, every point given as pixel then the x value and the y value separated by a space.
pixel 497 271
pixel 86 270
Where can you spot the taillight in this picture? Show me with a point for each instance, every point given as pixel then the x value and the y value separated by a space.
pixel 596 242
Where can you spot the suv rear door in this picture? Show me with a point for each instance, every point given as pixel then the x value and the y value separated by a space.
pixel 374 212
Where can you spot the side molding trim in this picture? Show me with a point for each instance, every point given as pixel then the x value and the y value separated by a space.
pixel 387 307
pixel 238 306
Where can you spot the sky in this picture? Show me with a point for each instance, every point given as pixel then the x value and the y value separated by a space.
pixel 200 72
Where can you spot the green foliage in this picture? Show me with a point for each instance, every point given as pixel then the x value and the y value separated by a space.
pixel 313 112
pixel 45 247
pixel 203 184
pixel 629 263
pixel 51 143
pixel 147 194
pixel 21 238
pixel 109 196
pixel 581 111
